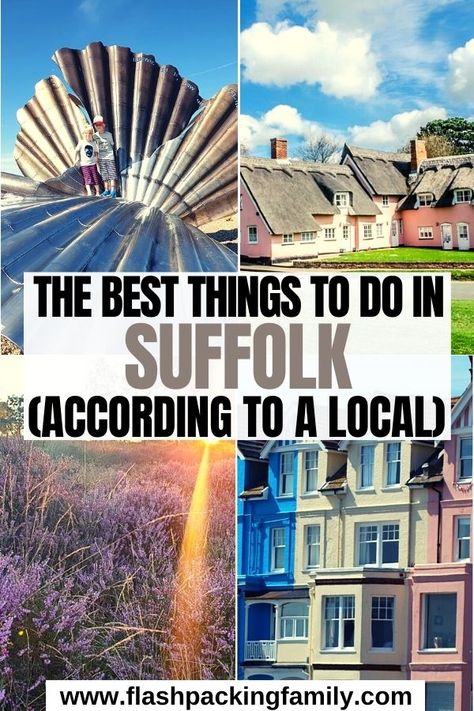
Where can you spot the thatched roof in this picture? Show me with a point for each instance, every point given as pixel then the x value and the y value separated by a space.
pixel 385 172
pixel 440 177
pixel 291 194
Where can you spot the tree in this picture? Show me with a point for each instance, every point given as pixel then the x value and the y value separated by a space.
pixel 318 150
pixel 457 131
pixel 435 146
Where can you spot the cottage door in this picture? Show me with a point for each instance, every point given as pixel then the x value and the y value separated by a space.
pixel 463 236
pixel 394 235
pixel 447 236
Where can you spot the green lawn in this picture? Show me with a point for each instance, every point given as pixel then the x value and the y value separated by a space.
pixel 462 327
pixel 404 254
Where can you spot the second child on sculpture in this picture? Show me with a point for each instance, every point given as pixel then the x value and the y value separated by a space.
pixel 107 168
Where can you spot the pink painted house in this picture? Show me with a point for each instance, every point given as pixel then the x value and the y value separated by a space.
pixel 439 208
pixel 441 590
pixel 384 176
pixel 293 210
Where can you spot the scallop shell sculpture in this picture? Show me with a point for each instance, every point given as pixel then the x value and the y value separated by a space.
pixel 177 164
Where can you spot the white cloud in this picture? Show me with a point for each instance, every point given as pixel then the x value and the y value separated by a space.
pixel 408 52
pixel 341 62
pixel 281 121
pixel 460 80
pixel 390 135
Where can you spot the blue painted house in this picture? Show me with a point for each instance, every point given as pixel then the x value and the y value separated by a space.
pixel 273 611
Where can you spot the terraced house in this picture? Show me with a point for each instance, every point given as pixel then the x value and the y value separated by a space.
pixel 294 210
pixel 355 561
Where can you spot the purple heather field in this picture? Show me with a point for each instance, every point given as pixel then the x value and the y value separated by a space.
pixel 90 536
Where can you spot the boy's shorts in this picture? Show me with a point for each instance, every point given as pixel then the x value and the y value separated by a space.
pixel 107 169
pixel 90 174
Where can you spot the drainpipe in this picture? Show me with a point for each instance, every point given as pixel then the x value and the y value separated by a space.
pixel 311 625
pixel 438 534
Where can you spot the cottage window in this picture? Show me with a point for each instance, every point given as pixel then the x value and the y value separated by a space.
pixel 463 538
pixel 329 233
pixel 425 233
pixel 345 231
pixel 312 540
pixel 252 234
pixel 439 621
pixel 465 458
pixel 366 466
pixel 278 550
pixel 339 618
pixel 307 236
pixel 294 620
pixel 379 228
pixel 425 199
pixel 287 239
pixel 463 231
pixel 310 471
pixel 286 474
pixel 367 231
pixel 378 544
pixel 392 457
pixel 382 622
pixel 385 200
pixel 341 199
pixel 463 195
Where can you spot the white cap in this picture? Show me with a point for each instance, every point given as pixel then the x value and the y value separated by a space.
pixel 98 119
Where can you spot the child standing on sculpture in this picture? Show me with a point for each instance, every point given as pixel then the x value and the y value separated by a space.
pixel 86 154
pixel 105 143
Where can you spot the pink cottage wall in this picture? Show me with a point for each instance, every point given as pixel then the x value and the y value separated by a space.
pixel 249 216
pixel 441 665
pixel 434 217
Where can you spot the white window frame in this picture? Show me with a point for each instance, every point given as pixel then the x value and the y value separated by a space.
pixel 291 622
pixel 308 237
pixel 425 233
pixel 424 622
pixel 310 467
pixel 425 199
pixel 286 474
pixel 277 546
pixel 464 226
pixel 385 200
pixel 330 231
pixel 252 241
pixel 458 539
pixel 462 196
pixel 460 458
pixel 383 609
pixel 367 232
pixel 379 230
pixel 388 448
pixel 312 546
pixel 287 238
pixel 343 608
pixel 341 199
pixel 364 450
pixel 379 543
pixel 346 231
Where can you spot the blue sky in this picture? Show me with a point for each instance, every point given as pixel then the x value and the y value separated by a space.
pixel 460 375
pixel 368 72
pixel 199 38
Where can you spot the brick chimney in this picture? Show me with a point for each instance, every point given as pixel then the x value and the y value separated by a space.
pixel 418 154
pixel 279 148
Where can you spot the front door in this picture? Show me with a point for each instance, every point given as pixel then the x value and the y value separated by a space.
pixel 447 236
pixel 463 237
pixel 394 238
